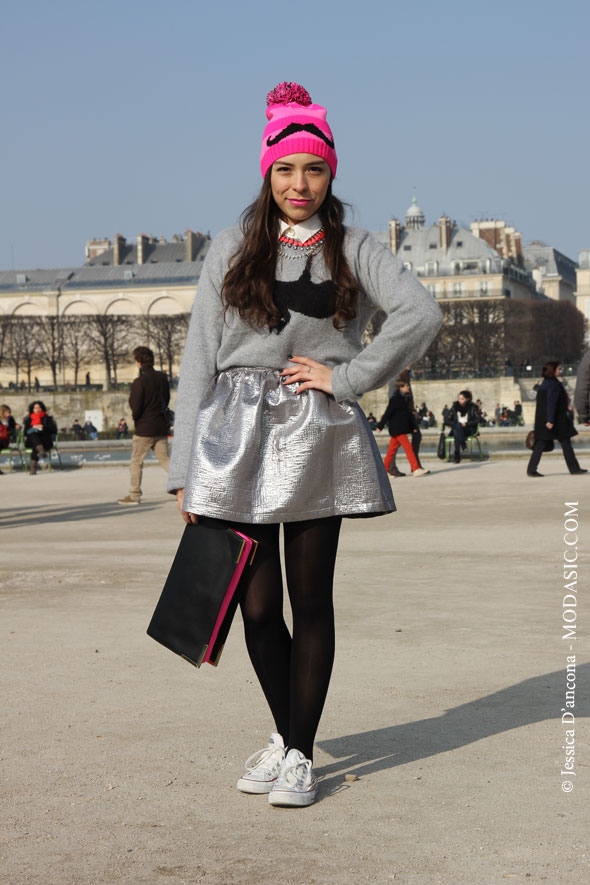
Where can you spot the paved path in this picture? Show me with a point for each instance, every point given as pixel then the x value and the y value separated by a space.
pixel 120 760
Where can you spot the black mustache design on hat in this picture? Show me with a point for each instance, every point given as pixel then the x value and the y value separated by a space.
pixel 299 127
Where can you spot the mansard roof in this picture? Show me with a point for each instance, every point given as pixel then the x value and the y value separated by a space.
pixel 554 263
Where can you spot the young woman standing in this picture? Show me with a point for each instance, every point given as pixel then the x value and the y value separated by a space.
pixel 552 421
pixel 268 429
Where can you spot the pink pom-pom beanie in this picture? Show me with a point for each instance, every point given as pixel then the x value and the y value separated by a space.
pixel 295 126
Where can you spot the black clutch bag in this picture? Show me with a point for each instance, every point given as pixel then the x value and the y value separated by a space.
pixel 202 591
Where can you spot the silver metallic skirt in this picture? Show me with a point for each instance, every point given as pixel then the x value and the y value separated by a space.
pixel 263 454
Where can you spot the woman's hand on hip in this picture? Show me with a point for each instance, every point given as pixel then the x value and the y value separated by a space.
pixel 188 517
pixel 310 374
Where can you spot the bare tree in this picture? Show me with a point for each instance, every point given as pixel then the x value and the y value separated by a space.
pixel 76 344
pixel 538 330
pixel 165 334
pixel 4 336
pixel 110 340
pixel 23 347
pixel 444 349
pixel 50 341
pixel 482 333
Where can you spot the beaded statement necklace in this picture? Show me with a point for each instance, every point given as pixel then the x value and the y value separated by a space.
pixel 292 248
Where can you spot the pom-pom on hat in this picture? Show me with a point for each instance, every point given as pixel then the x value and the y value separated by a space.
pixel 295 126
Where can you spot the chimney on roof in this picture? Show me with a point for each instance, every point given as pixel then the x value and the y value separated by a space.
pixel 192 244
pixel 119 246
pixel 514 245
pixel 444 223
pixel 504 239
pixel 94 248
pixel 394 235
pixel 142 248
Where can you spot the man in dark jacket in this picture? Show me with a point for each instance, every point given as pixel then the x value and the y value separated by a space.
pixel 149 398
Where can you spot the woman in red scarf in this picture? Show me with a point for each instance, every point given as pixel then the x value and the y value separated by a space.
pixel 39 428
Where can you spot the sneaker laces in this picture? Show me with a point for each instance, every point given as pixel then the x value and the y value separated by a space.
pixel 265 759
pixel 296 775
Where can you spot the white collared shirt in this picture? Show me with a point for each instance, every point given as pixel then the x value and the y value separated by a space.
pixel 302 231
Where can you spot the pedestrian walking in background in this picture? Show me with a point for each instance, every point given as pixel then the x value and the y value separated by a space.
pixel 268 429
pixel 582 391
pixel 400 414
pixel 552 421
pixel 148 399
pixel 39 429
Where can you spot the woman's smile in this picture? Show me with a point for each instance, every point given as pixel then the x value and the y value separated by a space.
pixel 299 185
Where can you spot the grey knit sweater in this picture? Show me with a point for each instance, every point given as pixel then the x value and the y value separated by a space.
pixel 214 343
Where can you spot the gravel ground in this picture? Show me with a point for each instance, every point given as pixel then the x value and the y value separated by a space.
pixel 120 760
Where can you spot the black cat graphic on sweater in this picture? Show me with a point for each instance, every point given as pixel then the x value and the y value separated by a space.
pixel 316 300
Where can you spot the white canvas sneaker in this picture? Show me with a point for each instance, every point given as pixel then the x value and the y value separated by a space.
pixel 262 768
pixel 296 784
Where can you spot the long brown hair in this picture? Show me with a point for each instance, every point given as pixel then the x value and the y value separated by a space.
pixel 249 283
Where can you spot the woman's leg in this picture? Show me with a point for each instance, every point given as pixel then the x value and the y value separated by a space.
pixel 310 557
pixel 538 450
pixel 37 448
pixel 267 638
pixel 458 434
pixel 569 455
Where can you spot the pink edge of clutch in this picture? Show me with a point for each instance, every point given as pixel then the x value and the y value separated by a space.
pixel 248 544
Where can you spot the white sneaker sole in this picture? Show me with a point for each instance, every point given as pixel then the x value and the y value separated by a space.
pixel 245 785
pixel 292 798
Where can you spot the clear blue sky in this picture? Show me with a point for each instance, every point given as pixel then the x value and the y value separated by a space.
pixel 147 116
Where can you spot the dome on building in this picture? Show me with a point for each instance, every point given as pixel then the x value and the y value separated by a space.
pixel 414 216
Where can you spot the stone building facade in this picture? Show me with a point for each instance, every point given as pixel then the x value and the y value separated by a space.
pixel 583 284
pixel 147 277
pixel 455 263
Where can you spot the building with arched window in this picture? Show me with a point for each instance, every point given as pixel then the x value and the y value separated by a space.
pixel 147 278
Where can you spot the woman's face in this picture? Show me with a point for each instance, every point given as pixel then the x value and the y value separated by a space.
pixel 558 371
pixel 299 184
pixel 37 408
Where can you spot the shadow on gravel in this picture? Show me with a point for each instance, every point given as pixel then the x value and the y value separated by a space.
pixel 18 516
pixel 525 703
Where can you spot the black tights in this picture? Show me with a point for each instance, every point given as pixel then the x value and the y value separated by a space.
pixel 294 672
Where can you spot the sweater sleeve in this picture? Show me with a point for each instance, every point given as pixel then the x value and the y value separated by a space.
pixel 413 319
pixel 199 361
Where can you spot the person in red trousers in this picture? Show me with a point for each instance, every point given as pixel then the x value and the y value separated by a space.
pixel 399 421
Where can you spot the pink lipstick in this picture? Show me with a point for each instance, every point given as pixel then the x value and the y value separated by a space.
pixel 299 202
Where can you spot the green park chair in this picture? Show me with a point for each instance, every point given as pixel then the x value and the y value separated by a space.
pixel 15 452
pixel 55 449
pixel 450 445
